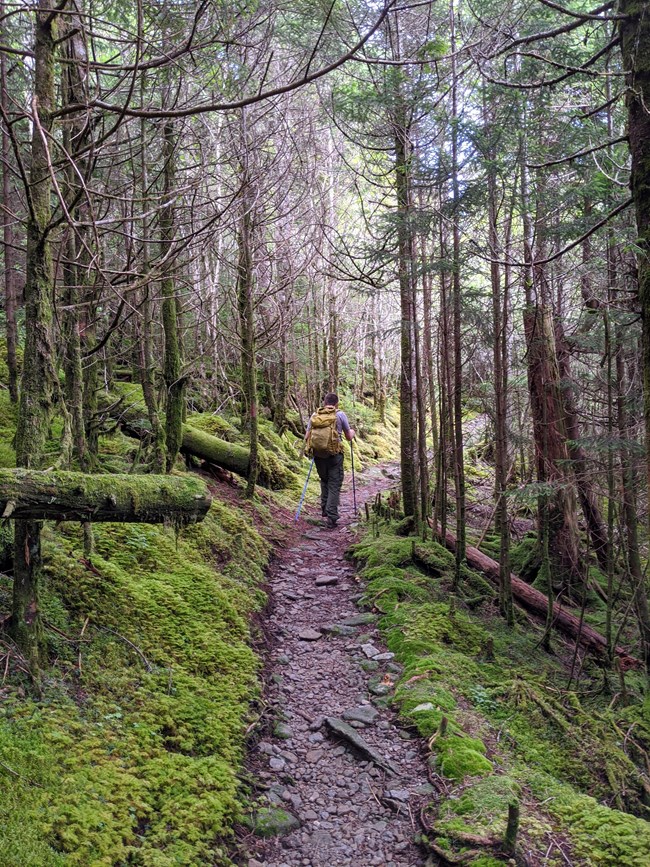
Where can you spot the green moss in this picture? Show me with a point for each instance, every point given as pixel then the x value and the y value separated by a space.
pixel 142 768
pixel 559 748
pixel 603 837
pixel 215 425
pixel 271 821
pixel 460 757
pixel 525 558
pixel 387 550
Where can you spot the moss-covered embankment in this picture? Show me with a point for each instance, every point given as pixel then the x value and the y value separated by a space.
pixel 132 752
pixel 505 721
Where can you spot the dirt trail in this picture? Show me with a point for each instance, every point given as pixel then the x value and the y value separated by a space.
pixel 350 810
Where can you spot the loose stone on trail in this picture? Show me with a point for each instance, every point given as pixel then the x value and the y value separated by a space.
pixel 342 729
pixel 309 635
pixel 359 619
pixel 326 580
pixel 366 714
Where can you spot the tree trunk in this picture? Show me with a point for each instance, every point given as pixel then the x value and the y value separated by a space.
pixel 8 234
pixel 551 447
pixel 630 519
pixel 586 494
pixel 39 379
pixel 32 495
pixel 459 453
pixel 245 288
pixel 635 51
pixel 174 382
pixel 147 379
pixel 500 362
pixel 407 388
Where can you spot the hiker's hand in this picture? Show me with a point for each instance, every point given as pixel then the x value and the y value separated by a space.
pixel 350 434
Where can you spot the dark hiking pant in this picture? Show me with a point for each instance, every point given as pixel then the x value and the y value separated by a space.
pixel 330 473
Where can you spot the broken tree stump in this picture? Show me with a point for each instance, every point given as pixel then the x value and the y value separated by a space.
pixel 68 496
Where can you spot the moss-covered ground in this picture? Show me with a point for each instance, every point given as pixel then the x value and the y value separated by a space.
pixel 505 721
pixel 131 752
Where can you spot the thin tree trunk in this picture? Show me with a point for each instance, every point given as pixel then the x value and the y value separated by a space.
pixel 174 382
pixel 500 362
pixel 39 380
pixel 459 455
pixel 245 287
pixel 635 51
pixel 8 234
pixel 147 368
pixel 407 421
pixel 630 518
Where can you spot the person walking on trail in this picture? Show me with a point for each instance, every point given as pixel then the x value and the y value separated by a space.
pixel 325 431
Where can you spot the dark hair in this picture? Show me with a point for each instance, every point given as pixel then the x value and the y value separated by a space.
pixel 331 399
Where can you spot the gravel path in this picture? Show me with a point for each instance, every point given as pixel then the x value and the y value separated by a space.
pixel 327 668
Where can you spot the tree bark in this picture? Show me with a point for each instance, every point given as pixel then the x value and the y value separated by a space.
pixel 407 385
pixel 35 495
pixel 245 289
pixel 39 384
pixel 635 51
pixel 174 382
pixel 459 452
pixel 8 234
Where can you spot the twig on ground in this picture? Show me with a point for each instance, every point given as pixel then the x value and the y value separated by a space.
pixel 19 776
pixel 133 646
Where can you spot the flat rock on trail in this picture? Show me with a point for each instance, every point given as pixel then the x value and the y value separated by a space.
pixel 329 681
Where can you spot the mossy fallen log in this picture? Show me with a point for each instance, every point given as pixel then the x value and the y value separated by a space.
pixel 69 496
pixel 203 445
pixel 536 602
pixel 133 422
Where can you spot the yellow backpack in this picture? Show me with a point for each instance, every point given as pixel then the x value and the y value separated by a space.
pixel 323 439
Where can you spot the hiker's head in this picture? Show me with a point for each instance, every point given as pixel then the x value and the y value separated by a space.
pixel 331 399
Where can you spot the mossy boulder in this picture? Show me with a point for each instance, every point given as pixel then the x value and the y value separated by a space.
pixel 271 822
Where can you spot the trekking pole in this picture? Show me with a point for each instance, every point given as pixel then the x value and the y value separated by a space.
pixel 304 491
pixel 354 487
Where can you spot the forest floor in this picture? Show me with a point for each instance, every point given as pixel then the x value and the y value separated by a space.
pixel 325 660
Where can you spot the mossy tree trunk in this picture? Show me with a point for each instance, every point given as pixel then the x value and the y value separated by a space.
pixel 635 51
pixel 557 508
pixel 75 132
pixel 245 291
pixel 407 389
pixel 500 361
pixel 459 452
pixel 8 234
pixel 630 517
pixel 174 381
pixel 39 383
pixel 444 384
pixel 551 448
pixel 147 379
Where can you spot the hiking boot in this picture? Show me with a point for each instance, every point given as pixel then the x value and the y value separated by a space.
pixel 331 524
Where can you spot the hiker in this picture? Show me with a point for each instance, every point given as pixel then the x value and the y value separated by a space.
pixel 324 443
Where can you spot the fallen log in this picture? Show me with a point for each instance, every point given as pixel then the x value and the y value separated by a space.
pixel 69 496
pixel 209 448
pixel 535 602
pixel 132 421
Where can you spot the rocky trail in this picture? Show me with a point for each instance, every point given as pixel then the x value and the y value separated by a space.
pixel 341 780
